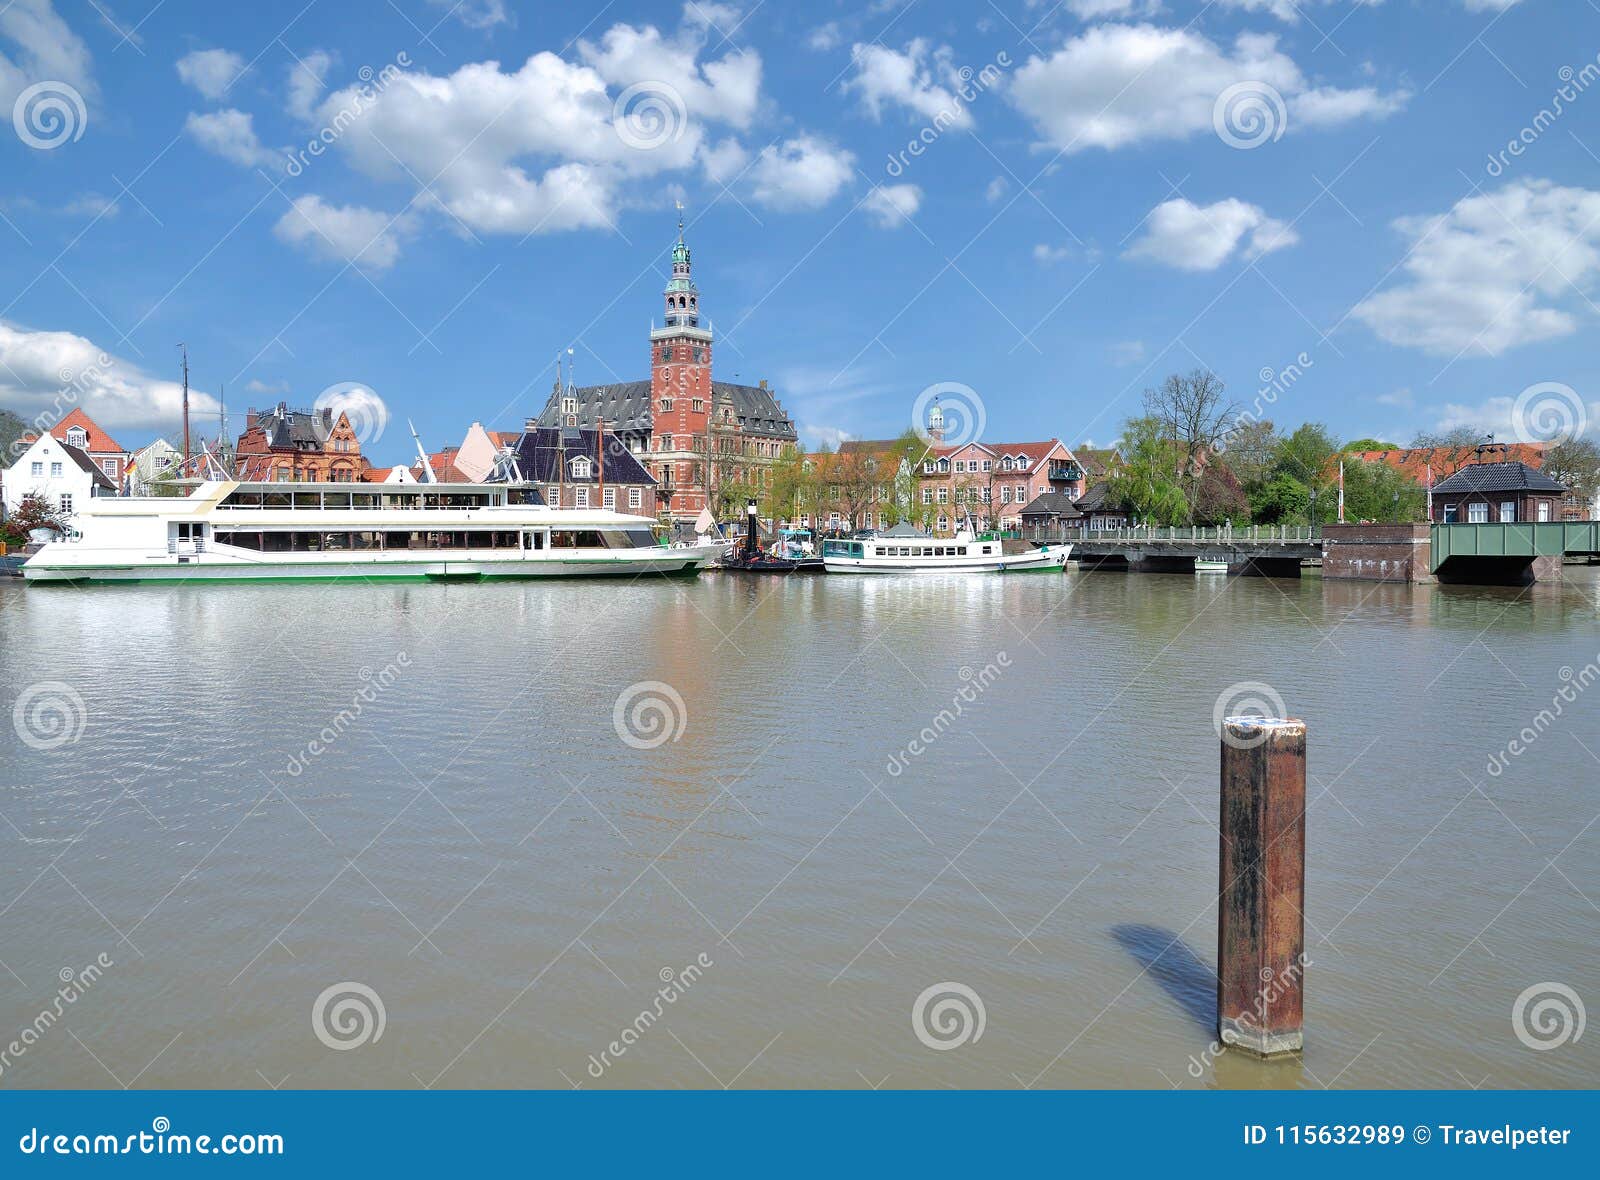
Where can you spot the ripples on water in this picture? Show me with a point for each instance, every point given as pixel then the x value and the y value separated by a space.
pixel 478 846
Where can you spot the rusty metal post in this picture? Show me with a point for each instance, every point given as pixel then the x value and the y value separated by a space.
pixel 1261 902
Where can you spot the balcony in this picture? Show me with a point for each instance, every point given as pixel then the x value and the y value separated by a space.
pixel 1065 472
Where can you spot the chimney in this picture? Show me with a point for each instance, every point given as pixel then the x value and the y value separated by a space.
pixel 529 425
pixel 250 420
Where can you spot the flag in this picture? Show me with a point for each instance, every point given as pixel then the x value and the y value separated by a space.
pixel 1341 491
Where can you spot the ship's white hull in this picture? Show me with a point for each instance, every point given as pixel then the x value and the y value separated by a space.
pixel 1033 561
pixel 217 567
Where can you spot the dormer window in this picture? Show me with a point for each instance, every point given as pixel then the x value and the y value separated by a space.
pixel 569 405
pixel 581 467
pixel 77 437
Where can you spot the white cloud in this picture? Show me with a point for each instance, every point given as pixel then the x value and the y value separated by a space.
pixel 726 90
pixel 1400 399
pixel 824 436
pixel 210 71
pixel 997 188
pixel 230 134
pixel 920 80
pixel 1327 106
pixel 1487 276
pixel 45 49
pixel 1182 234
pixel 722 162
pixel 1088 10
pixel 1048 255
pixel 825 37
pixel 1125 352
pixel 1496 416
pixel 892 205
pixel 475 14
pixel 552 145
pixel 1116 85
pixel 801 173
pixel 369 238
pixel 45 374
pixel 307 75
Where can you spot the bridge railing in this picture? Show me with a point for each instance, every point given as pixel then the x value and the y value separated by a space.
pixel 1218 535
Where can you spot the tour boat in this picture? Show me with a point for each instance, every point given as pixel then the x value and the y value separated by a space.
pixel 235 531
pixel 965 554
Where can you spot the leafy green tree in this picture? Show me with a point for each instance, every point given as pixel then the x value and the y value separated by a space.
pixel 1280 500
pixel 1250 450
pixel 1370 444
pixel 1148 479
pixel 1377 491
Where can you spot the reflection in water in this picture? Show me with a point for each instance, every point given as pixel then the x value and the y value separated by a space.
pixel 478 845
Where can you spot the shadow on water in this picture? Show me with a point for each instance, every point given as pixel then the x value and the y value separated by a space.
pixel 1190 983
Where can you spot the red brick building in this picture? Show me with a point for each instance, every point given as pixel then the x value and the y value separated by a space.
pixel 703 440
pixel 299 446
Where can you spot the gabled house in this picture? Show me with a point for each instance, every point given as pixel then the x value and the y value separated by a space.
pixel 1101 510
pixel 1497 493
pixel 299 446
pixel 160 461
pixel 63 475
pixel 79 430
pixel 575 467
pixel 1050 516
pixel 993 481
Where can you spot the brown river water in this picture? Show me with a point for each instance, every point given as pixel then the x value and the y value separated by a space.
pixel 817 832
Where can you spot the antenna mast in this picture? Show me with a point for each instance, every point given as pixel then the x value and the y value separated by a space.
pixel 427 468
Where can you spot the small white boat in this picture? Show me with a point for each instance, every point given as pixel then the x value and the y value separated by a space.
pixel 232 531
pixel 964 554
pixel 1206 565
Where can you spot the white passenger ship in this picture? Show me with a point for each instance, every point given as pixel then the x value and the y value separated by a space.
pixel 966 554
pixel 231 531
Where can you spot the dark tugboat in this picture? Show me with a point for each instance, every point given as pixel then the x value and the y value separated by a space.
pixel 749 556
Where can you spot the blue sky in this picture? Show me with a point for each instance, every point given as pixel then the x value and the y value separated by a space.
pixel 1107 191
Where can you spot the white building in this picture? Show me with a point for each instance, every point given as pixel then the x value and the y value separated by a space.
pixel 160 460
pixel 65 476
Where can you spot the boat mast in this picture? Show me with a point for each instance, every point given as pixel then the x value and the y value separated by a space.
pixel 427 468
pixel 185 349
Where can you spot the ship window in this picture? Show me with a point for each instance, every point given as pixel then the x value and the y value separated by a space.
pixel 336 499
pixel 308 499
pixel 576 539
pixel 535 539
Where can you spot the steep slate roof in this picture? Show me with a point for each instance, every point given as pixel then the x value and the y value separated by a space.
pixel 1052 504
pixel 1498 477
pixel 539 454
pixel 284 429
pixel 81 458
pixel 625 406
pixel 1098 499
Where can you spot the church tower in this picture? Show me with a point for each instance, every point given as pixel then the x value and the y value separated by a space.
pixel 680 389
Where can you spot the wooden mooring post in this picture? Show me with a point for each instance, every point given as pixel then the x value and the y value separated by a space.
pixel 1261 905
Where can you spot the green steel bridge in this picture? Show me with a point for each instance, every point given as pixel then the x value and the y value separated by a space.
pixel 1515 541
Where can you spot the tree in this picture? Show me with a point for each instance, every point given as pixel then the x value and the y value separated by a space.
pixel 1148 479
pixel 1280 500
pixel 1306 455
pixel 1370 444
pixel 1196 416
pixel 11 429
pixel 1380 492
pixel 1575 463
pixel 1251 451
pixel 1456 436
pixel 790 486
pixel 1221 498
pixel 32 512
